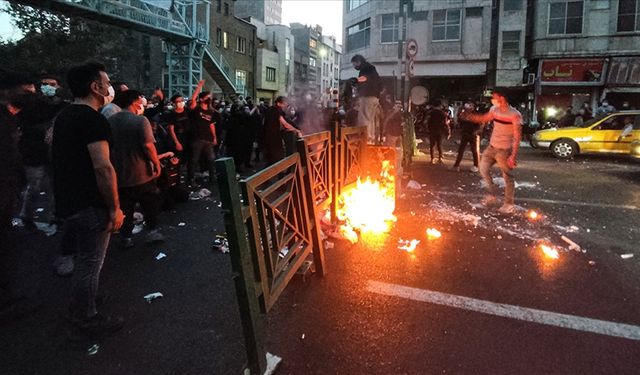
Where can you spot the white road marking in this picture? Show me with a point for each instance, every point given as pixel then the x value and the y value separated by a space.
pixel 578 323
pixel 550 201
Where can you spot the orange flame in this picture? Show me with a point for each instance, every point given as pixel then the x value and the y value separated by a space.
pixel 549 252
pixel 409 246
pixel 532 215
pixel 433 234
pixel 369 206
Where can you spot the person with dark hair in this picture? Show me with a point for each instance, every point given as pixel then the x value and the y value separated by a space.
pixel 137 165
pixel 502 150
pixel 437 122
pixel 179 125
pixel 86 193
pixel 470 136
pixel 368 93
pixel 203 137
pixel 274 126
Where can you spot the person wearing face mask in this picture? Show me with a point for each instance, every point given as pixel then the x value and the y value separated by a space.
pixel 178 125
pixel 137 165
pixel 110 106
pixel 605 108
pixel 203 137
pixel 86 194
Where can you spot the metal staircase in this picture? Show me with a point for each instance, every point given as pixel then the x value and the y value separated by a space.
pixel 184 26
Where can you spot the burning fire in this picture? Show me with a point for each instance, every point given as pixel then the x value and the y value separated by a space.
pixel 369 206
pixel 433 234
pixel 408 246
pixel 532 215
pixel 549 252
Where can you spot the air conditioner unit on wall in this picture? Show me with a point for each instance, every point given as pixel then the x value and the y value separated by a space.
pixel 531 78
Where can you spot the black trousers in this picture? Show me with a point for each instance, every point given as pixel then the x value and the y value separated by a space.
pixel 474 141
pixel 148 195
pixel 435 140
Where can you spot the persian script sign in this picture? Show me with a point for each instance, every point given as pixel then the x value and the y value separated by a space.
pixel 581 71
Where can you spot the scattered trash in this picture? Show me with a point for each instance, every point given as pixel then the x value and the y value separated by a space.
pixel 221 244
pixel 592 263
pixel 39 209
pixel 408 246
pixel 150 297
pixel 182 224
pixel 499 237
pixel 93 349
pixel 138 217
pixel 137 228
pixel 414 185
pixel 328 245
pixel 17 222
pixel 572 245
pixel 46 228
pixel 200 194
pixel 272 364
pixel 433 234
pixel 160 256
pixel 302 336
pixel 626 256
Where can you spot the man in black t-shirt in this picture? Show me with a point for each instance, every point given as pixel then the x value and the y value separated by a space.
pixel 86 193
pixel 179 125
pixel 204 137
pixel 438 124
pixel 470 135
pixel 274 126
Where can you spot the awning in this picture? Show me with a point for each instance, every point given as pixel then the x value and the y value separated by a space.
pixel 624 71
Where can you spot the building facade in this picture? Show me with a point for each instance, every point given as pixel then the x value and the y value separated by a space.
pixel 274 65
pixel 306 60
pixel 235 40
pixel 330 52
pixel 585 52
pixel 267 11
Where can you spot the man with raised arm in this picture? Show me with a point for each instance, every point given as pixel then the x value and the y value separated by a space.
pixel 502 150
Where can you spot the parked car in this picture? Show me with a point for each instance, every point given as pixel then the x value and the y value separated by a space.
pixel 601 134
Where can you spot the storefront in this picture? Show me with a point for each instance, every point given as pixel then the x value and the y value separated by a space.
pixel 623 82
pixel 568 82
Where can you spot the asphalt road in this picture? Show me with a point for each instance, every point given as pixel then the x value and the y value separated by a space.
pixel 360 318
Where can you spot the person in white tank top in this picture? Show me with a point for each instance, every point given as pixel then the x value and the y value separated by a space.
pixel 503 148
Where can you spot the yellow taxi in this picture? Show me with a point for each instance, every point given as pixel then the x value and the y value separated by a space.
pixel 617 132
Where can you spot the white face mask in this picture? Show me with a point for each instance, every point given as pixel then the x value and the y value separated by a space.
pixel 109 98
pixel 48 90
pixel 180 105
pixel 293 112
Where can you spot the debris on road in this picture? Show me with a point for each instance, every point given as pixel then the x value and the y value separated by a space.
pixel 160 256
pixel 39 209
pixel 48 229
pixel 272 364
pixel 221 244
pixel 182 224
pixel 626 256
pixel 93 349
pixel 137 228
pixel 200 194
pixel 328 245
pixel 414 185
pixel 151 296
pixel 433 234
pixel 302 336
pixel 408 245
pixel 592 263
pixel 138 217
pixel 572 245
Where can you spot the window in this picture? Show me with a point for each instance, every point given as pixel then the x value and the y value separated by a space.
pixel 271 74
pixel 512 5
pixel 218 37
pixel 473 12
pixel 225 40
pixel 446 24
pixel 312 61
pixel 241 80
pixel 226 9
pixel 358 35
pixel 629 15
pixel 389 30
pixel 313 43
pixel 218 6
pixel 287 51
pixel 511 41
pixel 353 4
pixel 241 45
pixel 565 18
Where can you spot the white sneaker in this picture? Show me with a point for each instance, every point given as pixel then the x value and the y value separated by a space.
pixel 474 169
pixel 507 209
pixel 64 265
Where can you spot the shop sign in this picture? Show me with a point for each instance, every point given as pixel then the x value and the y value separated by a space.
pixel 624 71
pixel 573 72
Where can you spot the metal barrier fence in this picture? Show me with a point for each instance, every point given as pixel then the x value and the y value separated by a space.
pixel 272 220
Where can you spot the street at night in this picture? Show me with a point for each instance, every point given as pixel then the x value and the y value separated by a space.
pixel 483 298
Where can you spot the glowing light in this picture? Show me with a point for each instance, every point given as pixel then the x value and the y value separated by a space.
pixel 409 246
pixel 549 252
pixel 532 215
pixel 368 207
pixel 551 112
pixel 433 234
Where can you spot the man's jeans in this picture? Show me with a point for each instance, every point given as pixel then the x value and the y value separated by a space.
pixel 199 149
pixel 38 180
pixel 87 233
pixel 148 195
pixel 369 116
pixel 492 156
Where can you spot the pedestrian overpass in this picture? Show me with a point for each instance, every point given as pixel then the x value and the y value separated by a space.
pixel 184 26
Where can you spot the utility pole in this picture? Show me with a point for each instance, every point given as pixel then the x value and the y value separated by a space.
pixel 401 56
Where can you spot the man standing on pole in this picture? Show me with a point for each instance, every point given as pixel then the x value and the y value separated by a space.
pixel 368 92
pixel 502 150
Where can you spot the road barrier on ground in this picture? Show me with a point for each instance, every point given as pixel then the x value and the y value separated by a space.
pixel 272 220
